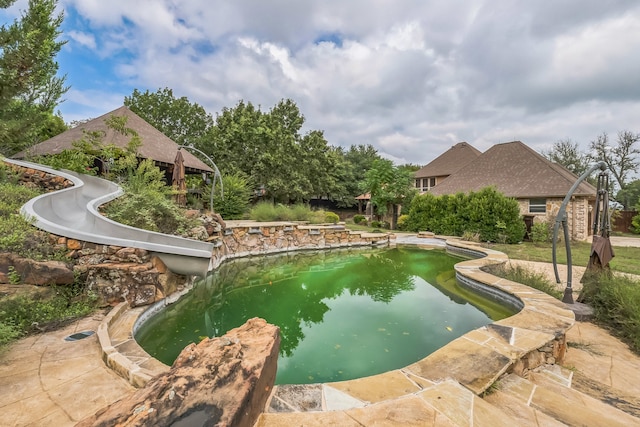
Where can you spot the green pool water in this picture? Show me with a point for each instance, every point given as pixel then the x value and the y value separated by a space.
pixel 342 314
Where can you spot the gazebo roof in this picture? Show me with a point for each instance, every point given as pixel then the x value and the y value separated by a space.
pixel 155 145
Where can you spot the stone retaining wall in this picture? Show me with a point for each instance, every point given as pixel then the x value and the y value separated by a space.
pixel 247 238
pixel 39 179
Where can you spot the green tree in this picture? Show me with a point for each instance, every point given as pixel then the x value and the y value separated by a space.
pixel 389 186
pixel 29 88
pixel 621 159
pixel 183 121
pixel 567 153
pixel 361 158
pixel 269 149
pixel 237 139
pixel 630 195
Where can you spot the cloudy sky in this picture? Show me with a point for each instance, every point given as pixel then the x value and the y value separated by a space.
pixel 411 77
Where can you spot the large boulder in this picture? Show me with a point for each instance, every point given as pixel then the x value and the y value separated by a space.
pixel 222 381
pixel 35 272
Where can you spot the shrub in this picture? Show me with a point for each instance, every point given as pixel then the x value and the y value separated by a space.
pixel 146 203
pixel 635 221
pixel 235 198
pixel 402 222
pixel 357 219
pixel 540 232
pixel 300 212
pixel 493 216
pixel 331 217
pixel 263 212
pixel 376 224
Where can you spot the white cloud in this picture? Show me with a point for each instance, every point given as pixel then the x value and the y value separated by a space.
pixel 83 39
pixel 412 77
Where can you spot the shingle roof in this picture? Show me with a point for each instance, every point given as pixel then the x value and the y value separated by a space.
pixel 449 162
pixel 515 170
pixel 155 145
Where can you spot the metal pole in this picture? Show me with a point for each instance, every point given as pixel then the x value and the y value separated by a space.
pixel 216 174
pixel 562 218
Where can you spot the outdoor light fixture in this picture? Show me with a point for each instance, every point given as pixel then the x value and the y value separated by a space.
pixel 217 175
pixel 561 218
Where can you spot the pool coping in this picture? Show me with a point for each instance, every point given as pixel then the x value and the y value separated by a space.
pixel 532 337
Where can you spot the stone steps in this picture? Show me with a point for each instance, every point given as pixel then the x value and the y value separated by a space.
pixel 439 405
pixel 547 399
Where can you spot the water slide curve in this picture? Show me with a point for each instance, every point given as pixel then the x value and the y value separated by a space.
pixel 73 213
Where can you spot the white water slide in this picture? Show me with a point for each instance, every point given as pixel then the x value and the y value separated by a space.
pixel 73 213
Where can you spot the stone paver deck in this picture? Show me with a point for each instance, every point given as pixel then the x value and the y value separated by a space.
pixel 47 381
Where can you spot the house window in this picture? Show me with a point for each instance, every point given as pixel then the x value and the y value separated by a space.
pixel 425 184
pixel 537 205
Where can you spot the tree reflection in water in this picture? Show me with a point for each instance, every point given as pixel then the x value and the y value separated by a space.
pixel 296 291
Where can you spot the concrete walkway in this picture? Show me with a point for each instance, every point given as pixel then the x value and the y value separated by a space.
pixel 47 381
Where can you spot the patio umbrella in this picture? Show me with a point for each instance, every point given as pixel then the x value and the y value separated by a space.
pixel 178 180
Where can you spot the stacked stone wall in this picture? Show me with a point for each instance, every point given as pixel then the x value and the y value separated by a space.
pixel 39 179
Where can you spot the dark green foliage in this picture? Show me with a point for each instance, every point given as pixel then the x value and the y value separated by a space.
pixel 237 196
pixel 29 88
pixel 616 302
pixel 147 202
pixel 487 212
pixel 630 196
pixel 635 221
pixel 388 185
pixel 270 150
pixel 178 118
pixel 357 219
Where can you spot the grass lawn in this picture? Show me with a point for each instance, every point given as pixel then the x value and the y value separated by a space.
pixel 627 260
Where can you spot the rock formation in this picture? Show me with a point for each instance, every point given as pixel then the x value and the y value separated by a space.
pixel 223 381
pixel 35 272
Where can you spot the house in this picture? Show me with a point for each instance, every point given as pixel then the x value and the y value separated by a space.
pixel 538 185
pixel 155 145
pixel 444 165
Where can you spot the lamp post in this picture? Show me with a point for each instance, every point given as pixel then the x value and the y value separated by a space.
pixel 561 219
pixel 215 175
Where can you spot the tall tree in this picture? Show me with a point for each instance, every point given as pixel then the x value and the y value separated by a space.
pixel 621 159
pixel 389 186
pixel 268 148
pixel 567 153
pixel 29 88
pixel 183 121
pixel 237 139
pixel 361 158
pixel 629 196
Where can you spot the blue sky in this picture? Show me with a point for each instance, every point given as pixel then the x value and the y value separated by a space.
pixel 411 77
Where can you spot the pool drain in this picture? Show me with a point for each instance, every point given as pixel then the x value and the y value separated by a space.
pixel 79 336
